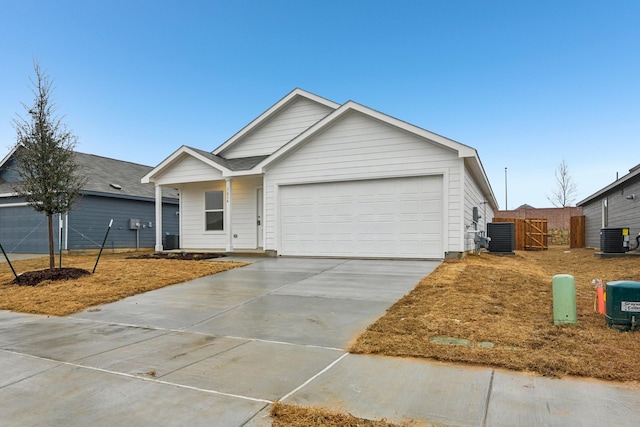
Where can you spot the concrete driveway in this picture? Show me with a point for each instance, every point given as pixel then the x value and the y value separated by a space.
pixel 213 351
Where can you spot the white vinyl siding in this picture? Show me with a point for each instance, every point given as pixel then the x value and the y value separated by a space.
pixel 188 169
pixel 396 217
pixel 278 130
pixel 473 198
pixel 358 147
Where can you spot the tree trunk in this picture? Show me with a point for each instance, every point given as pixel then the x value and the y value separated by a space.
pixel 52 258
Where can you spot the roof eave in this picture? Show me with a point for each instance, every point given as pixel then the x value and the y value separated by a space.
pixel 167 163
pixel 635 173
pixel 479 173
pixel 8 156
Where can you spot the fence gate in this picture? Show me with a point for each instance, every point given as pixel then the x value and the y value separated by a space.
pixel 536 237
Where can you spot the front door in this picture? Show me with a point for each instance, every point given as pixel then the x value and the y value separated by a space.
pixel 259 215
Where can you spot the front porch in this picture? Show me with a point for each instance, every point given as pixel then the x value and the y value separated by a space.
pixel 222 215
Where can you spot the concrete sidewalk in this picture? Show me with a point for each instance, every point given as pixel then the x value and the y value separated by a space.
pixel 217 351
pixel 17 257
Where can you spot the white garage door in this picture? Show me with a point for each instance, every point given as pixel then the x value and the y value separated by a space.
pixel 400 217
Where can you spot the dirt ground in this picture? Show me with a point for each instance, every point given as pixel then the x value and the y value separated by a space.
pixel 117 276
pixel 507 301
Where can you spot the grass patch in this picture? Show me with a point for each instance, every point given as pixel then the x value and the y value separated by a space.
pixel 303 416
pixel 115 278
pixel 508 301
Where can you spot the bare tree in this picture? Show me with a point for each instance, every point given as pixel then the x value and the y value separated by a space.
pixel 49 179
pixel 566 188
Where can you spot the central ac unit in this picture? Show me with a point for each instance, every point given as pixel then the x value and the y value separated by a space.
pixel 503 237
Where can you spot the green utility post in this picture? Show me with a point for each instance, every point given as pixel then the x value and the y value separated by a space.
pixel 564 299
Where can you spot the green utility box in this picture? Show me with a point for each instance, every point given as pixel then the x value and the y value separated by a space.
pixel 622 307
pixel 564 299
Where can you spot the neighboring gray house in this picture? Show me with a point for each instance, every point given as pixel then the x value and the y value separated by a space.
pixel 616 205
pixel 113 191
pixel 311 177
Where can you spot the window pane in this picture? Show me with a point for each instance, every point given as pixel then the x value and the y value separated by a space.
pixel 215 220
pixel 213 200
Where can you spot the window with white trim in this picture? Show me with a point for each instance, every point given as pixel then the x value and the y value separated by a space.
pixel 214 210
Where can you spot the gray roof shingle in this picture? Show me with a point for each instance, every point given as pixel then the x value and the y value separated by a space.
pixel 239 164
pixel 105 175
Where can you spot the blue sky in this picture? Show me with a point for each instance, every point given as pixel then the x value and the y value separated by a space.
pixel 526 83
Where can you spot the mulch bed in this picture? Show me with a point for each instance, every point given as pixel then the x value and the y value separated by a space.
pixel 187 256
pixel 32 278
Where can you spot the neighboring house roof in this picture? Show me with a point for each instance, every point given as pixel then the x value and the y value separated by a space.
pixel 634 173
pixel 105 176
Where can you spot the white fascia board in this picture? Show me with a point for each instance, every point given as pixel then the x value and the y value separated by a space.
pixel 175 157
pixel 3 195
pixel 14 205
pixel 148 178
pixel 462 150
pixel 272 111
pixel 632 174
pixel 8 156
pixel 317 127
pixel 478 172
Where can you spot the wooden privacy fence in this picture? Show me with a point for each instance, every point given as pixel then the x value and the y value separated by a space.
pixel 577 236
pixel 531 233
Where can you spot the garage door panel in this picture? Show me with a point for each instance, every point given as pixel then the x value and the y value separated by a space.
pixel 377 218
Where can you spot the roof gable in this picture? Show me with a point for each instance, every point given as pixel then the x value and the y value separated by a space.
pixel 216 163
pixel 278 125
pixel 469 154
pixel 233 161
pixel 349 107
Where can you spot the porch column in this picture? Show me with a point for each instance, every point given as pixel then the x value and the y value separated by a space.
pixel 228 216
pixel 158 218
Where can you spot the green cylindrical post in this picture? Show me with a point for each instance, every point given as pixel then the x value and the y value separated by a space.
pixel 564 299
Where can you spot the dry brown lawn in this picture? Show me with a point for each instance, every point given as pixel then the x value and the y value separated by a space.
pixel 302 416
pixel 116 277
pixel 508 301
